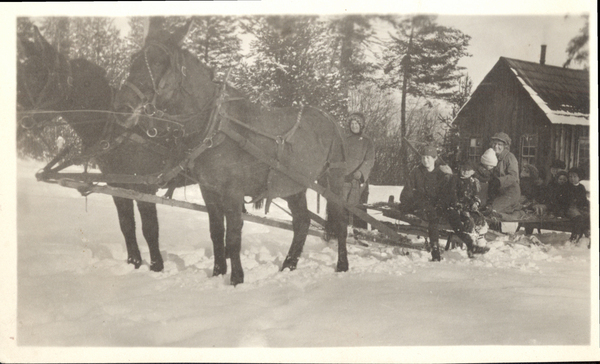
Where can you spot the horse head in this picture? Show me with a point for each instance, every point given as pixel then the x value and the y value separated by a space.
pixel 49 83
pixel 166 86
pixel 43 77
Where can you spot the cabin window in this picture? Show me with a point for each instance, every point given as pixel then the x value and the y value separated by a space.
pixel 583 153
pixel 475 149
pixel 528 148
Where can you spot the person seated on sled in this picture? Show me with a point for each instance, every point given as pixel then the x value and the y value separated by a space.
pixel 483 173
pixel 558 195
pixel 556 166
pixel 550 194
pixel 530 182
pixel 424 195
pixel 578 209
pixel 463 210
pixel 533 190
pixel 360 158
pixel 504 190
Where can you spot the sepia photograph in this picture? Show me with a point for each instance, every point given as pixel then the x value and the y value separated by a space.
pixel 261 181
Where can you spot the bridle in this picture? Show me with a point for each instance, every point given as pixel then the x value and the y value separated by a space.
pixel 149 103
pixel 39 104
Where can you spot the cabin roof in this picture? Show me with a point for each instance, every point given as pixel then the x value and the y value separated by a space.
pixel 561 93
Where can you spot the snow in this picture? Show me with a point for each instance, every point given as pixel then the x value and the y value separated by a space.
pixel 77 295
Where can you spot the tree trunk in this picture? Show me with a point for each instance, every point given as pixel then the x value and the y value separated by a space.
pixel 405 79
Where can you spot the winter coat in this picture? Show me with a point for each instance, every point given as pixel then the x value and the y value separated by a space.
pixel 558 201
pixel 483 175
pixel 530 188
pixel 424 189
pixel 463 192
pixel 577 198
pixel 504 189
pixel 360 156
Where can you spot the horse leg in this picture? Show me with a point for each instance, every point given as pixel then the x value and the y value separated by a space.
pixel 150 231
pixel 233 204
pixel 339 217
pixel 300 223
pixel 127 223
pixel 217 230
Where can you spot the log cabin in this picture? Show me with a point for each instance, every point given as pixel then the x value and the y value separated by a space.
pixel 544 109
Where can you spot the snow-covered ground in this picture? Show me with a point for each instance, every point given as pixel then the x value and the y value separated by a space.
pixel 75 290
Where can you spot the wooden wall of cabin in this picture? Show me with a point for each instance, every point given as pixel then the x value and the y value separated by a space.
pixel 500 103
pixel 565 145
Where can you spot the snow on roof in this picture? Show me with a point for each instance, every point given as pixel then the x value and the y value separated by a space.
pixel 561 93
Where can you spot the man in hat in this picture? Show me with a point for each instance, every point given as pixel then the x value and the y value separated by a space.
pixel 424 195
pixel 504 190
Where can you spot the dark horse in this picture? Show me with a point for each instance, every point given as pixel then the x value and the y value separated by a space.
pixel 307 141
pixel 79 91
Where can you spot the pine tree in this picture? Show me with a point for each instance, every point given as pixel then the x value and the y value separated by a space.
pixel 291 63
pixel 421 60
pixel 57 32
pixel 25 27
pixel 215 40
pixel 352 36
pixel 98 41
pixel 578 47
pixel 452 138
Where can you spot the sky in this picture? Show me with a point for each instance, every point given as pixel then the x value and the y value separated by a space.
pixel 512 36
pixel 518 37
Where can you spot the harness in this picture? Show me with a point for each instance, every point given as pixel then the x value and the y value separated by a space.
pixel 176 124
pixel 220 126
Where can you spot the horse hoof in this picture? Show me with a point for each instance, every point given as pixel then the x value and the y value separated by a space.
pixel 136 262
pixel 289 264
pixel 237 279
pixel 342 267
pixel 435 255
pixel 157 266
pixel 219 270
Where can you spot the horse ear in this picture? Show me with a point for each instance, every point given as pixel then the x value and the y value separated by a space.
pixel 41 44
pixel 180 34
pixel 154 29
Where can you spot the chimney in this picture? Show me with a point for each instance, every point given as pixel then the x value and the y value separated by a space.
pixel 543 55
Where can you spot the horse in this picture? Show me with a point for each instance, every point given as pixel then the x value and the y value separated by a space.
pixel 243 149
pixel 50 84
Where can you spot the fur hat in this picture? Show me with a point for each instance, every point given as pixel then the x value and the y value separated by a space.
pixel 489 158
pixel 429 150
pixel 531 170
pixel 503 137
pixel 359 117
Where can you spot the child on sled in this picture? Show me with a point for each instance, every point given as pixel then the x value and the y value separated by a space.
pixel 578 209
pixel 463 210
